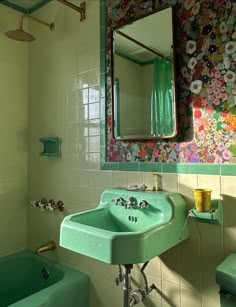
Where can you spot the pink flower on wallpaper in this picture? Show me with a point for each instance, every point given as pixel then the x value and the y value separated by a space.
pixel 149 144
pixel 219 84
pixel 204 102
pixel 155 152
pixel 193 147
pixel 201 136
pixel 213 82
pixel 188 154
pixel 217 91
pixel 216 101
pixel 226 154
pixel 224 96
pixel 209 90
pixel 221 147
pixel 197 123
pixel 218 159
pixel 210 109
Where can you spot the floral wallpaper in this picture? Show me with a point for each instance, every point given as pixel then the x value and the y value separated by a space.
pixel 206 83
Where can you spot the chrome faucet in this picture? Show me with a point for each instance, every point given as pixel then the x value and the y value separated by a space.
pixel 50 245
pixel 132 203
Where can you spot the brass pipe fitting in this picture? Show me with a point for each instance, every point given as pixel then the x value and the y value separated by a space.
pixel 50 245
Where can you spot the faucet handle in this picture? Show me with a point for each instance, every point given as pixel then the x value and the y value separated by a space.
pixel 143 204
pixel 120 201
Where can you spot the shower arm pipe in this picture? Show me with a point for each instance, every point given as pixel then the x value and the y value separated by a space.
pixel 81 9
pixel 49 25
pixel 158 53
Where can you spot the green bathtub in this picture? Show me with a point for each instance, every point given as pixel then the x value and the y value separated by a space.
pixel 30 280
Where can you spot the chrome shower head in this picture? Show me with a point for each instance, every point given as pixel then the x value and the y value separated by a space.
pixel 20 35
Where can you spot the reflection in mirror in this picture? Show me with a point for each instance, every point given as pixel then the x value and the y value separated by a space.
pixel 143 78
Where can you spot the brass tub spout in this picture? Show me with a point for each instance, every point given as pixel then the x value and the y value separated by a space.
pixel 50 245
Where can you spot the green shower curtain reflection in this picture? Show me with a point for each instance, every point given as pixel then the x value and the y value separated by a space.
pixel 162 98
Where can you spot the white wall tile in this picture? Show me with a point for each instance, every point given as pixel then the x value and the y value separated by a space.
pixel 171 294
pixel 190 298
pixel 210 301
pixel 13 134
pixel 210 182
pixel 169 182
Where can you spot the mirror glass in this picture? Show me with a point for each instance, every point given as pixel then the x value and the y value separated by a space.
pixel 143 78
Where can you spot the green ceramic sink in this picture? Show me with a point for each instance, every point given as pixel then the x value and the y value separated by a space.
pixel 127 226
pixel 226 274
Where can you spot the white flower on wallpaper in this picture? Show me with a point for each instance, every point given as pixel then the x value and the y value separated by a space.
pixel 196 8
pixel 223 27
pixel 184 72
pixel 188 4
pixel 191 47
pixel 196 86
pixel 192 63
pixel 230 77
pixel 227 63
pixel 230 47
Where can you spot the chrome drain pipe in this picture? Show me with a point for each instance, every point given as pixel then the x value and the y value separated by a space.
pixel 133 297
pixel 127 285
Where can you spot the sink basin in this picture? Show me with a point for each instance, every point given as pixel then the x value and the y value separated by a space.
pixel 117 234
pixel 226 274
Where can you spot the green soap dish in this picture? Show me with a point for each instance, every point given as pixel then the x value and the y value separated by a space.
pixel 51 146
